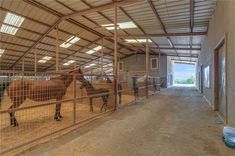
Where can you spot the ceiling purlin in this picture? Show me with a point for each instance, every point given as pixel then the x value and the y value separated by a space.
pixel 191 24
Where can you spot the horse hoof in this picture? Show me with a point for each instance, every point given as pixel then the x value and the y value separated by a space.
pixel 60 116
pixel 15 125
pixel 57 118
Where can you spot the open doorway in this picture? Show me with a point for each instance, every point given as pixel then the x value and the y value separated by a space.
pixel 184 74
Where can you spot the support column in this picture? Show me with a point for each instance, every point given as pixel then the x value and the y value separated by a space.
pixel 23 64
pixel 102 58
pixel 35 60
pixel 115 61
pixel 57 49
pixel 147 67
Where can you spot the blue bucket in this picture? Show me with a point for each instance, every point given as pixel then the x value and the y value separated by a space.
pixel 229 136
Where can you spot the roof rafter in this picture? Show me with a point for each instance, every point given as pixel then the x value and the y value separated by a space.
pixel 161 22
pixel 101 8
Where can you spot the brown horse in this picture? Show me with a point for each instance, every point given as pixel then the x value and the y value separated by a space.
pixel 92 92
pixel 39 90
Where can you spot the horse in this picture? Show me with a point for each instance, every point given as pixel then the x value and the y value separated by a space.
pixel 38 90
pixel 108 80
pixel 3 86
pixel 91 92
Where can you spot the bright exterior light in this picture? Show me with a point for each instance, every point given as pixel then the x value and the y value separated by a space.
pixel 123 25
pixel 11 19
pixel 137 40
pixel 69 42
pixel 45 59
pixel 94 50
pixel 68 63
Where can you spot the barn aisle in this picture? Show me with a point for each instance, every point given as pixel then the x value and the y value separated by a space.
pixel 175 122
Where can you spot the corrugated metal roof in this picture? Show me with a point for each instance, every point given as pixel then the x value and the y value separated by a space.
pixel 41 15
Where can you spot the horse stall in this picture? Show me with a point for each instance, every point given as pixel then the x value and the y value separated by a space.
pixel 30 97
pixel 35 108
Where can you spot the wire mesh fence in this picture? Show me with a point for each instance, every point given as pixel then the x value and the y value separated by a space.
pixel 34 105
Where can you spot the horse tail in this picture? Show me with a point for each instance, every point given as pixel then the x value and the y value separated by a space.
pixel 3 87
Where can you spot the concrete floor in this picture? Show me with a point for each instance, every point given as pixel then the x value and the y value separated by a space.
pixel 175 122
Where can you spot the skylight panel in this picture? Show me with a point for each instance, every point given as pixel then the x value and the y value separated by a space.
pixel 11 19
pixel 90 52
pixel 123 25
pixel 137 40
pixel 1 52
pixel 97 48
pixel 65 45
pixel 72 40
pixel 45 59
pixel 42 61
pixel 90 65
pixel 94 50
pixel 68 63
pixel 8 29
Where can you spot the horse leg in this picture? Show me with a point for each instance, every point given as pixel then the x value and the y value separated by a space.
pixel 103 98
pixel 120 98
pixel 13 120
pixel 91 106
pixel 57 116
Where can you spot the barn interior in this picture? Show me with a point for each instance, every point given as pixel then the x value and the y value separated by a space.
pixel 116 77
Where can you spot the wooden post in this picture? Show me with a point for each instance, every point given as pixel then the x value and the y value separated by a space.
pixel 57 49
pixel 74 99
pixel 159 62
pixel 23 64
pixel 147 67
pixel 35 60
pixel 102 58
pixel 159 66
pixel 115 61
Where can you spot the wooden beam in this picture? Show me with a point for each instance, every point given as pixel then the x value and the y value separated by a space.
pixel 115 60
pixel 163 48
pixel 57 49
pixel 191 15
pixel 191 23
pixel 161 35
pixel 101 8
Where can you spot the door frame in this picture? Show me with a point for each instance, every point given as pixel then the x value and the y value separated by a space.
pixel 223 41
pixel 201 79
